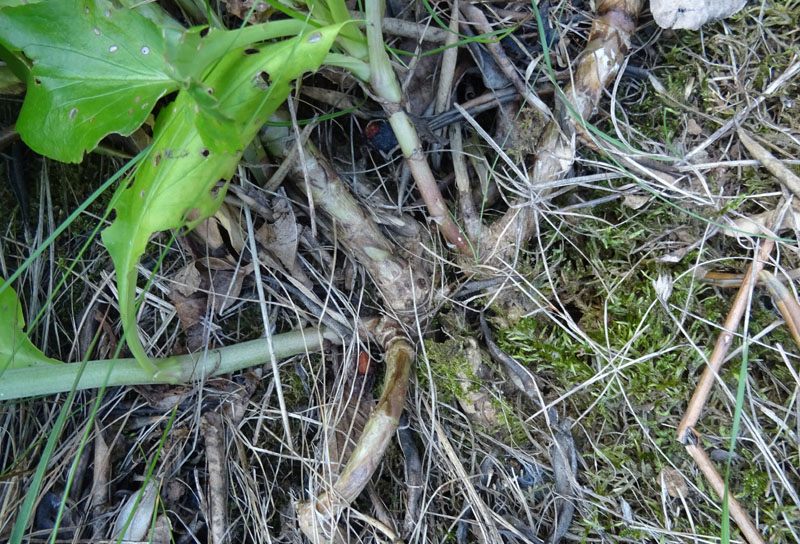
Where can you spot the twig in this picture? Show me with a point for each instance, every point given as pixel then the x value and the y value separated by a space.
pixel 448 69
pixel 302 162
pixel 472 223
pixel 410 29
pixel 785 302
pixel 698 401
pixel 217 483
pixel 740 517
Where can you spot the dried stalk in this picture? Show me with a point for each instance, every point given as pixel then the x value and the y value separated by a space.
pixel 788 306
pixel 474 14
pixel 317 517
pixel 404 287
pixel 724 341
pixel 776 167
pixel 740 517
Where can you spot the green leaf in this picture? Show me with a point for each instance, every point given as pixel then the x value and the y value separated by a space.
pixel 98 69
pixel 16 351
pixel 193 150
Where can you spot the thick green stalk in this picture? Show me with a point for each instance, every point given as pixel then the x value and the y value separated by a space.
pixel 47 380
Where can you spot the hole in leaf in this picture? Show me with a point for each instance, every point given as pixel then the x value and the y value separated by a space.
pixel 73 113
pixel 265 78
pixel 210 90
pixel 205 152
pixel 142 193
pixel 215 191
pixel 157 159
pixel 113 49
pixel 204 32
pixel 145 50
pixel 251 51
pixel 37 81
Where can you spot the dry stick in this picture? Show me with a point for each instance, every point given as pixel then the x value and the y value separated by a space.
pixel 409 29
pixel 449 60
pixel 302 162
pixel 786 303
pixel 217 487
pixel 738 514
pixel 473 14
pixel 600 61
pixel 776 167
pixel 384 85
pixel 472 223
pixel 723 344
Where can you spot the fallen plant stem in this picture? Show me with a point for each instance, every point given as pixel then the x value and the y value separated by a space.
pixel 355 229
pixel 474 14
pixel 776 167
pixel 740 517
pixel 723 344
pixel 785 303
pixel 727 279
pixel 599 63
pixel 50 379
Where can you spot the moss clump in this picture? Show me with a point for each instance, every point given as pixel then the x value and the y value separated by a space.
pixel 453 377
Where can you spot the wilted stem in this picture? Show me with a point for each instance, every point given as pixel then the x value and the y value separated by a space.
pixel 403 285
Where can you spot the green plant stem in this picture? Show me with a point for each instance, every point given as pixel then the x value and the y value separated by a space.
pixel 47 380
pixel 384 84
